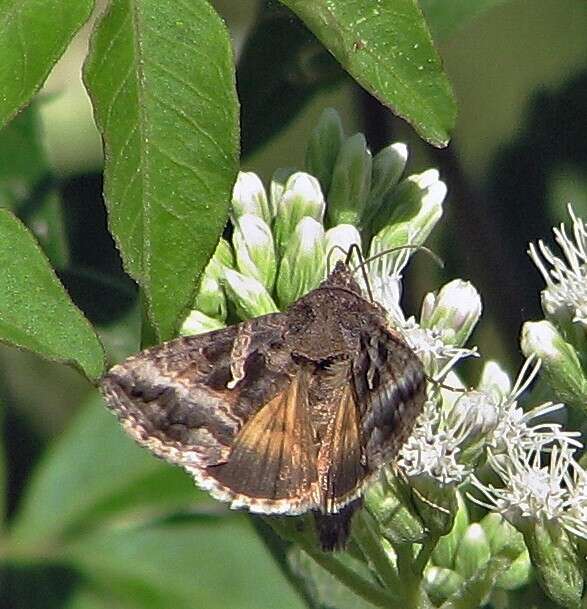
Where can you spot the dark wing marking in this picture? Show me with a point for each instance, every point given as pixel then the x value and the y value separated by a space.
pixel 272 465
pixel 175 398
pixel 390 386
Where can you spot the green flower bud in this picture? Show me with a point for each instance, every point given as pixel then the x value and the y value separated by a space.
pixel 435 503
pixel 199 323
pixel 555 561
pixel 277 186
pixel 302 266
pixel 210 299
pixel 518 574
pixel 445 550
pixel 255 252
pixel 388 165
pixel 249 197
pixel 224 254
pixel 249 296
pixel 410 211
pixel 503 537
pixel 323 147
pixel 302 197
pixel 455 310
pixel 351 182
pixel 222 258
pixel 388 502
pixel 440 583
pixel 494 381
pixel 560 364
pixel 473 417
pixel 338 240
pixel 473 552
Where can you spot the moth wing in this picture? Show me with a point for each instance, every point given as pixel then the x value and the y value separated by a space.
pixel 182 401
pixel 272 464
pixel 340 464
pixel 390 386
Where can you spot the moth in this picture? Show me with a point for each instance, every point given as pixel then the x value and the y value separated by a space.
pixel 287 413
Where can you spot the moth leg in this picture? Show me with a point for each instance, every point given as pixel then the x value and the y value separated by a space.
pixel 239 353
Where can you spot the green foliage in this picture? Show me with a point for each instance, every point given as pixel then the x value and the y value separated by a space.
pixel 387 48
pixel 164 98
pixel 33 35
pixel 37 313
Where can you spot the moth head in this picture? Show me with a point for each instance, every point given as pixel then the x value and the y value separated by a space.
pixel 342 277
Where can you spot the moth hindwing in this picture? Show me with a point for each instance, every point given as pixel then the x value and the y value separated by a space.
pixel 282 414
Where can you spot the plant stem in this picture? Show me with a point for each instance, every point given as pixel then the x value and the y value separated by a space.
pixel 424 554
pixel 369 542
pixel 359 585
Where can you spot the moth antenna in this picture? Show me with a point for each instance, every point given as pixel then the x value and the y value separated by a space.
pixel 448 387
pixel 354 247
pixel 426 250
pixel 328 257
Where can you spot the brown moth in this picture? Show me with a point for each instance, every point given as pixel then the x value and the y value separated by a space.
pixel 282 414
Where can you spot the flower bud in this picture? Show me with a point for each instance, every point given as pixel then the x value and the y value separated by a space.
pixel 338 240
pixel 323 147
pixel 277 186
pixel 473 552
pixel 472 418
pixel 445 550
pixel 351 182
pixel 388 502
pixel 249 197
pixel 560 365
pixel 302 266
pixel 388 165
pixel 224 254
pixel 210 299
pixel 199 323
pixel 555 561
pixel 494 381
pixel 222 257
pixel 411 210
pixel 455 310
pixel 436 503
pixel 302 197
pixel 518 574
pixel 503 538
pixel 255 252
pixel 249 296
pixel 440 583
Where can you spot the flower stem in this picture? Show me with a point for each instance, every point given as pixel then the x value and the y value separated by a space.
pixel 370 544
pixel 359 585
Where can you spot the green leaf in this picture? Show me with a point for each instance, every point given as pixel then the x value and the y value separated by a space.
pixel 445 17
pixel 386 47
pixel 22 159
pixel 33 36
pixel 207 563
pixel 94 471
pixel 163 88
pixel 35 311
